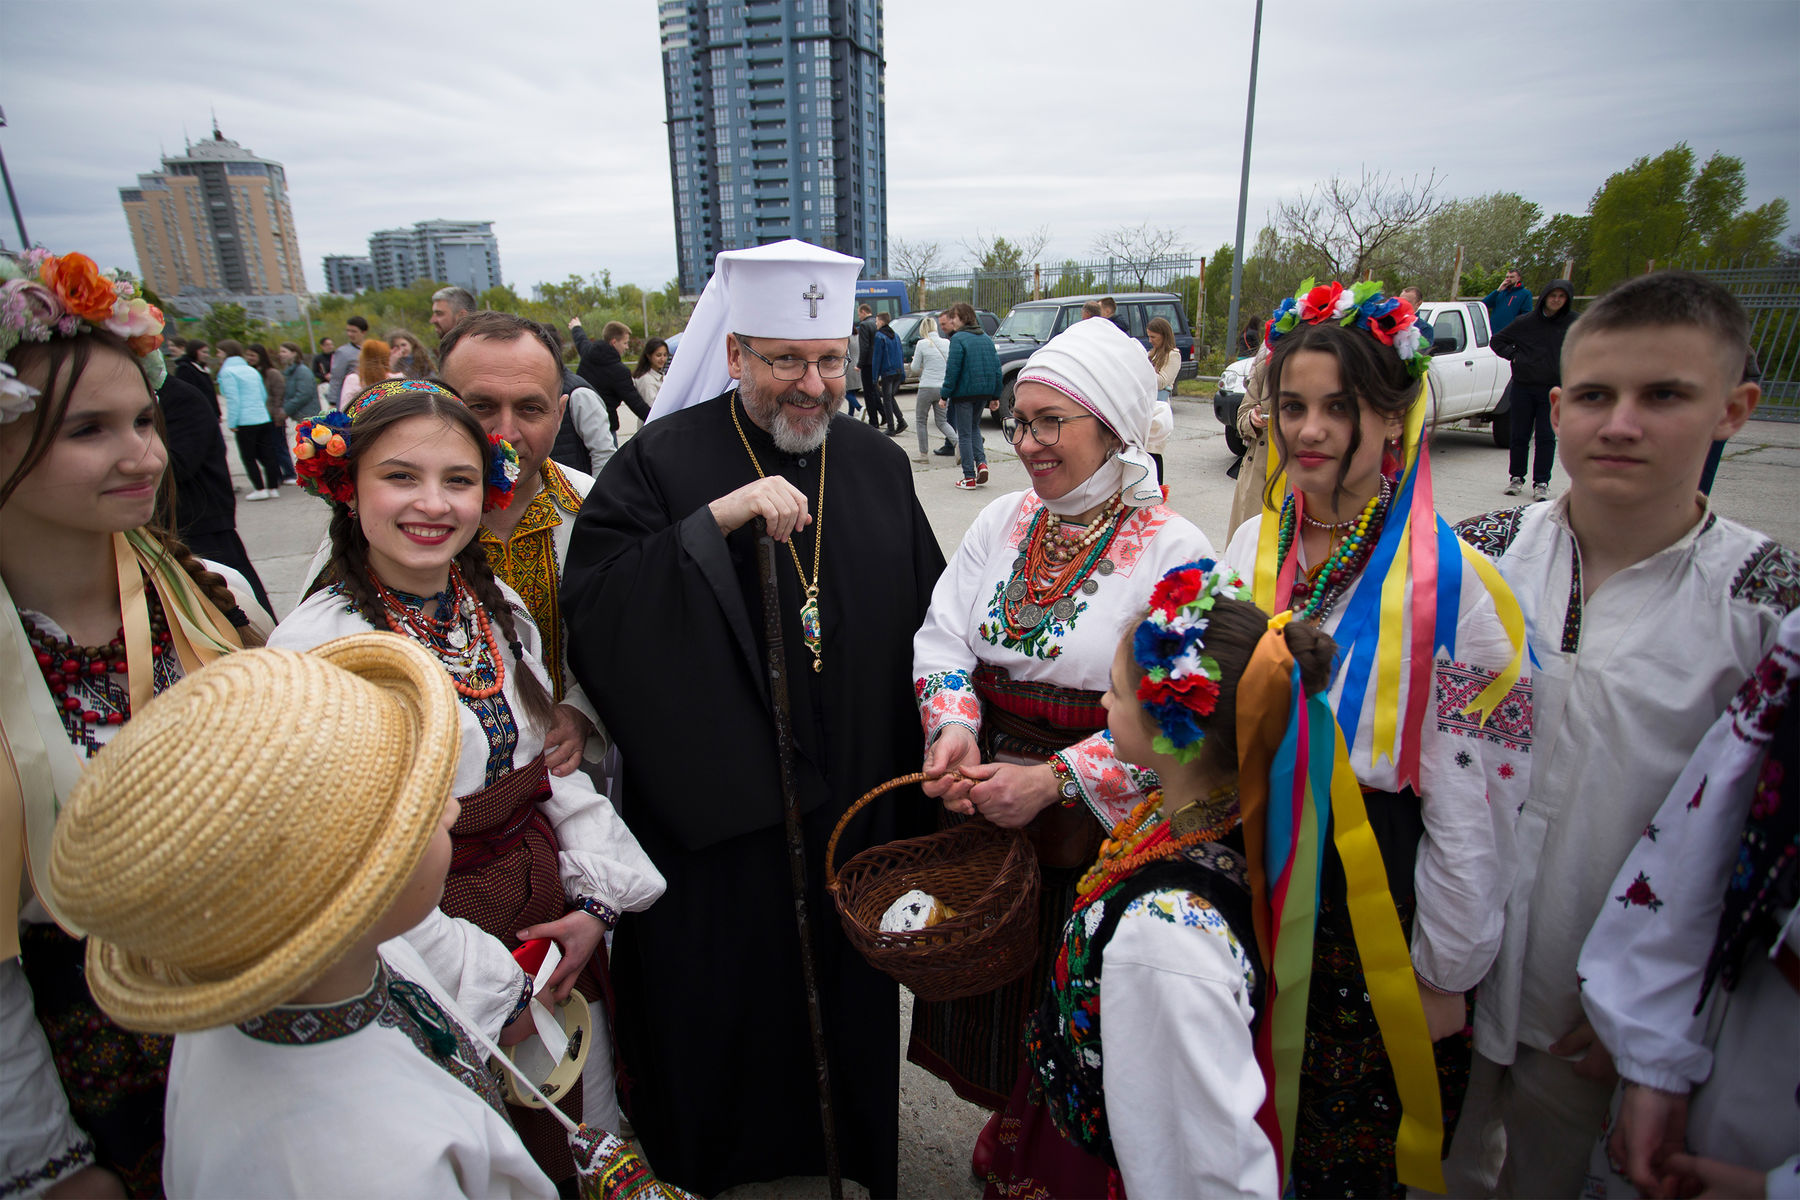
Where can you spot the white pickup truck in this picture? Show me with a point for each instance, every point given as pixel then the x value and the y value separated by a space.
pixel 1468 380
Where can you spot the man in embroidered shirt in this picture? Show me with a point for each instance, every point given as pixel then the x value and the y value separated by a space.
pixel 508 370
pixel 1646 611
pixel 666 627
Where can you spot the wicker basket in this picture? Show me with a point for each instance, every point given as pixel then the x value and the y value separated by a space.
pixel 987 875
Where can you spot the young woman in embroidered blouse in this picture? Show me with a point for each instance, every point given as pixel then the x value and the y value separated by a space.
pixel 1013 657
pixel 1441 784
pixel 538 855
pixel 101 609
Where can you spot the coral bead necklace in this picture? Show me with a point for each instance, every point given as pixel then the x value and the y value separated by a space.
pixel 1053 563
pixel 65 666
pixel 450 635
pixel 1144 837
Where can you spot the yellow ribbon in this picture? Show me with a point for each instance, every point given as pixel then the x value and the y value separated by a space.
pixel 1268 534
pixel 1396 597
pixel 1388 974
pixel 1512 620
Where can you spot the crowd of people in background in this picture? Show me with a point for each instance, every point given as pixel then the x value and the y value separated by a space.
pixel 1373 852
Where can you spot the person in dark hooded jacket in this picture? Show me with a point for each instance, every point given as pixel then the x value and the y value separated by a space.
pixel 1533 343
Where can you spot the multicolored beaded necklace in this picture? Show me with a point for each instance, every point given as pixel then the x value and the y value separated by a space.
pixel 64 664
pixel 451 636
pixel 1143 837
pixel 1054 564
pixel 1315 594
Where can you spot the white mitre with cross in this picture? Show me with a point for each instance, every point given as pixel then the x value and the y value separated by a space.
pixel 790 290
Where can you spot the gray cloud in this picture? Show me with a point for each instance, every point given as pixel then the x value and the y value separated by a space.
pixel 547 118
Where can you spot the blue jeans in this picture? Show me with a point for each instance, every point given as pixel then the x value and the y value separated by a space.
pixel 965 414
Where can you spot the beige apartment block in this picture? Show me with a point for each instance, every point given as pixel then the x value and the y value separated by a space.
pixel 216 219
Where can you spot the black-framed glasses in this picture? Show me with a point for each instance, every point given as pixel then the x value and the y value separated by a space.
pixel 791 368
pixel 1046 431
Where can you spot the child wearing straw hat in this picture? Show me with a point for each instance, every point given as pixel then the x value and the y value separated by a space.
pixel 317 1053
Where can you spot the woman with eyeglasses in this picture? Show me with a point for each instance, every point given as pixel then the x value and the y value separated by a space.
pixel 1016 651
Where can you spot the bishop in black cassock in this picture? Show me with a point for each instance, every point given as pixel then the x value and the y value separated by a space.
pixel 666 634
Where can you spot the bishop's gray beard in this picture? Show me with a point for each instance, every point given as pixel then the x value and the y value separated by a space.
pixel 794 431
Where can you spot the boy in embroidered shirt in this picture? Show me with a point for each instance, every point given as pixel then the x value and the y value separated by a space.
pixel 1646 610
pixel 290 936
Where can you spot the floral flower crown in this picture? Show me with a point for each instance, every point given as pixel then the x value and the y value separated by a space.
pixel 322 443
pixel 43 295
pixel 1387 319
pixel 1181 681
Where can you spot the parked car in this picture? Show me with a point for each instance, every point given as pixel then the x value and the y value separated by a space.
pixel 910 327
pixel 1031 324
pixel 1467 381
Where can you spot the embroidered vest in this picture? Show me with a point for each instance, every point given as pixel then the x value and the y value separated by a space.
pixel 1062 1038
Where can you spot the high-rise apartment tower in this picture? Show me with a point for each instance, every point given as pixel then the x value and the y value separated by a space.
pixel 777 127
pixel 215 222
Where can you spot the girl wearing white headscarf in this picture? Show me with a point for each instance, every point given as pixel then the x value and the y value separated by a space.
pixel 1016 651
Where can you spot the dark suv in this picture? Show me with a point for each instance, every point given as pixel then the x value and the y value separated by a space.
pixel 1031 324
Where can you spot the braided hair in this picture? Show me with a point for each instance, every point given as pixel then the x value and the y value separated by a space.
pixel 349 568
pixel 63 361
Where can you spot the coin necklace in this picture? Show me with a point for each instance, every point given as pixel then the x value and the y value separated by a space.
pixel 1051 565
pixel 809 611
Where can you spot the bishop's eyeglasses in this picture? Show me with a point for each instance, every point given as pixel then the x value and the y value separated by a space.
pixel 791 368
pixel 1046 431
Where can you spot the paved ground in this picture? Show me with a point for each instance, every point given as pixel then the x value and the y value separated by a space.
pixel 1757 485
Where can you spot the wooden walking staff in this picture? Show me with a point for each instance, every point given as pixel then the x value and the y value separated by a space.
pixel 790 797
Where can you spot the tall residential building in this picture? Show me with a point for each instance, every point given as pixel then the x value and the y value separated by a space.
pixel 215 224
pixel 347 274
pixel 464 253
pixel 777 127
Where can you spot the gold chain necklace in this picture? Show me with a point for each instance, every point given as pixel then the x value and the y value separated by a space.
pixel 809 611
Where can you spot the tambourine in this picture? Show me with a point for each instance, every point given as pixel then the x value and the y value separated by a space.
pixel 555 1077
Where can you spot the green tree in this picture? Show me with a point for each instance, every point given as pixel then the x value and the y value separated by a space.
pixel 228 321
pixel 1664 210
pixel 1491 230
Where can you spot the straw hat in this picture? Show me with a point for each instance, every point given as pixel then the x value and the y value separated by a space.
pixel 220 860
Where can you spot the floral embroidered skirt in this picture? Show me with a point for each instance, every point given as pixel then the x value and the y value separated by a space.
pixel 114 1078
pixel 1035 1162
pixel 1349 1110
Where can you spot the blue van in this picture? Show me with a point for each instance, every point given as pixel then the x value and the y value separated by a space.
pixel 883 295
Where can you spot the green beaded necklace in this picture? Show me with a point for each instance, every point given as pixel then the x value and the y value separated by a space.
pixel 1312 599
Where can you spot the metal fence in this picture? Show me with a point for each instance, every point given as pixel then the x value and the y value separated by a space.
pixel 1771 295
pixel 999 291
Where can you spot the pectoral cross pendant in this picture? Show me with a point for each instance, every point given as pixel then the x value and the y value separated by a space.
pixel 809 626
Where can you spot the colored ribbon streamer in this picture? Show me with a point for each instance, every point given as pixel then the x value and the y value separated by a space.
pixel 1392 986
pixel 1268 536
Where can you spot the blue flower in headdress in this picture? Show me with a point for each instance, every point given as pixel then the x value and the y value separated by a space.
pixel 1177 724
pixel 1153 646
pixel 1376 306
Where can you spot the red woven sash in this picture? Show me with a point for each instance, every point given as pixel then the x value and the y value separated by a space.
pixel 1051 717
pixel 495 820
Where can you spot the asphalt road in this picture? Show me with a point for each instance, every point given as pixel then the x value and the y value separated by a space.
pixel 1756 486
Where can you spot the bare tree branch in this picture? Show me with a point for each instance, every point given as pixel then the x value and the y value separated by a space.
pixel 912 260
pixel 1139 246
pixel 989 247
pixel 1346 223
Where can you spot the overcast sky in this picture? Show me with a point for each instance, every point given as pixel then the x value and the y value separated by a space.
pixel 546 117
